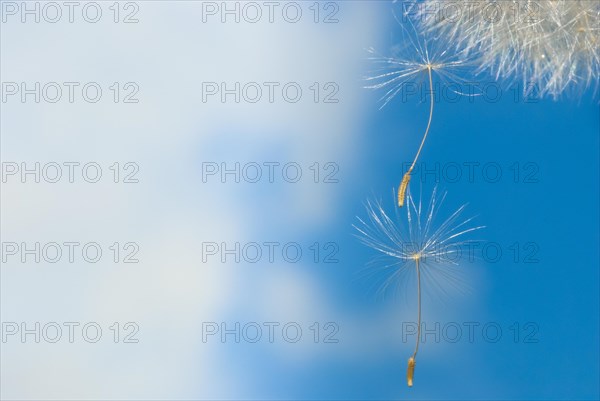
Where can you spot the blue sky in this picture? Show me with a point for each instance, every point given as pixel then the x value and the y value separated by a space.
pixel 555 146
pixel 550 208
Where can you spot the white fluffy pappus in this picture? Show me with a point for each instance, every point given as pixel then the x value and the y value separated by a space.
pixel 548 46
pixel 416 233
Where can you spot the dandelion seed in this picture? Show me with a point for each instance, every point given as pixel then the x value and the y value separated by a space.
pixel 421 58
pixel 416 245
pixel 410 371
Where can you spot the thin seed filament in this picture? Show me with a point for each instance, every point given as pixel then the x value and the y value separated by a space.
pixel 413 359
pixel 406 178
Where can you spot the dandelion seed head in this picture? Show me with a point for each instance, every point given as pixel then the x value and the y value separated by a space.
pixel 550 46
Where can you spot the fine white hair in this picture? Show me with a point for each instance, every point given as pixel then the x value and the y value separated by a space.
pixel 550 46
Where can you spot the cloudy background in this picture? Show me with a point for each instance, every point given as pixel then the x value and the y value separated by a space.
pixel 347 151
